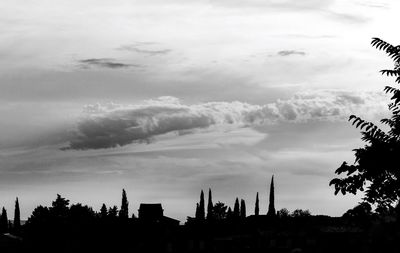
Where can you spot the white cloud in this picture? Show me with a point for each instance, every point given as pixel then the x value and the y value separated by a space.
pixel 112 125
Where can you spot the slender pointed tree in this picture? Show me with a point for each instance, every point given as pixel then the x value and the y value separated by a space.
pixel 242 209
pixel 236 209
pixel 257 207
pixel 124 211
pixel 271 206
pixel 197 215
pixel 202 212
pixel 17 216
pixel 3 221
pixel 210 206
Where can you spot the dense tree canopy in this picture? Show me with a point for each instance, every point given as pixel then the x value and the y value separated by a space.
pixel 220 211
pixel 376 170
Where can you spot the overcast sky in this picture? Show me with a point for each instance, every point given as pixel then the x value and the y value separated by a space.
pixel 165 98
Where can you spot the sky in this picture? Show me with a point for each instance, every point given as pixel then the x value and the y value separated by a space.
pixel 165 98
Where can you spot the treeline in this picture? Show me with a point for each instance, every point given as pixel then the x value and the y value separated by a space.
pixel 61 210
pixel 221 212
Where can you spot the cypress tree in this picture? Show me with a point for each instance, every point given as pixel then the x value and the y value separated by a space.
pixel 3 221
pixel 123 212
pixel 257 208
pixel 242 209
pixel 17 216
pixel 197 214
pixel 271 207
pixel 236 210
pixel 210 206
pixel 202 212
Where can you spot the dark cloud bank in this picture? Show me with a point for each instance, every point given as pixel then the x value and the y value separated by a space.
pixel 112 125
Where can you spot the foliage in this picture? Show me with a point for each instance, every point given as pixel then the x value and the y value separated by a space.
pixel 362 210
pixel 60 207
pixel 79 212
pixel 229 214
pixel 3 221
pixel 17 216
pixel 257 207
pixel 39 215
pixel 103 211
pixel 201 207
pixel 124 211
pixel 113 212
pixel 220 211
pixel 242 209
pixel 271 206
pixel 376 168
pixel 210 206
pixel 282 213
pixel 236 209
pixel 300 213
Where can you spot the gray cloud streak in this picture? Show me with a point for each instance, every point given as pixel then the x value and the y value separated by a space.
pixel 291 52
pixel 104 63
pixel 136 49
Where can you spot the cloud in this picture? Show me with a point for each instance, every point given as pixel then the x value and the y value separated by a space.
pixel 135 48
pixel 290 52
pixel 112 125
pixel 281 4
pixel 104 63
pixel 373 4
pixel 349 18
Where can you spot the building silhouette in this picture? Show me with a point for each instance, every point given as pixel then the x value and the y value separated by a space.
pixel 154 213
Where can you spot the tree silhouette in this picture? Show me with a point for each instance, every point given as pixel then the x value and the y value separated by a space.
pixel 17 216
pixel 271 206
pixel 201 212
pixel 210 206
pixel 376 167
pixel 197 214
pixel 59 207
pixel 300 213
pixel 257 207
pixel 242 209
pixel 103 211
pixel 124 211
pixel 39 215
pixel 229 214
pixel 219 211
pixel 113 212
pixel 361 211
pixel 3 221
pixel 81 213
pixel 283 213
pixel 236 209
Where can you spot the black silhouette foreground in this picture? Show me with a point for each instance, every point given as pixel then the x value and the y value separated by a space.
pixel 78 228
pixel 62 227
